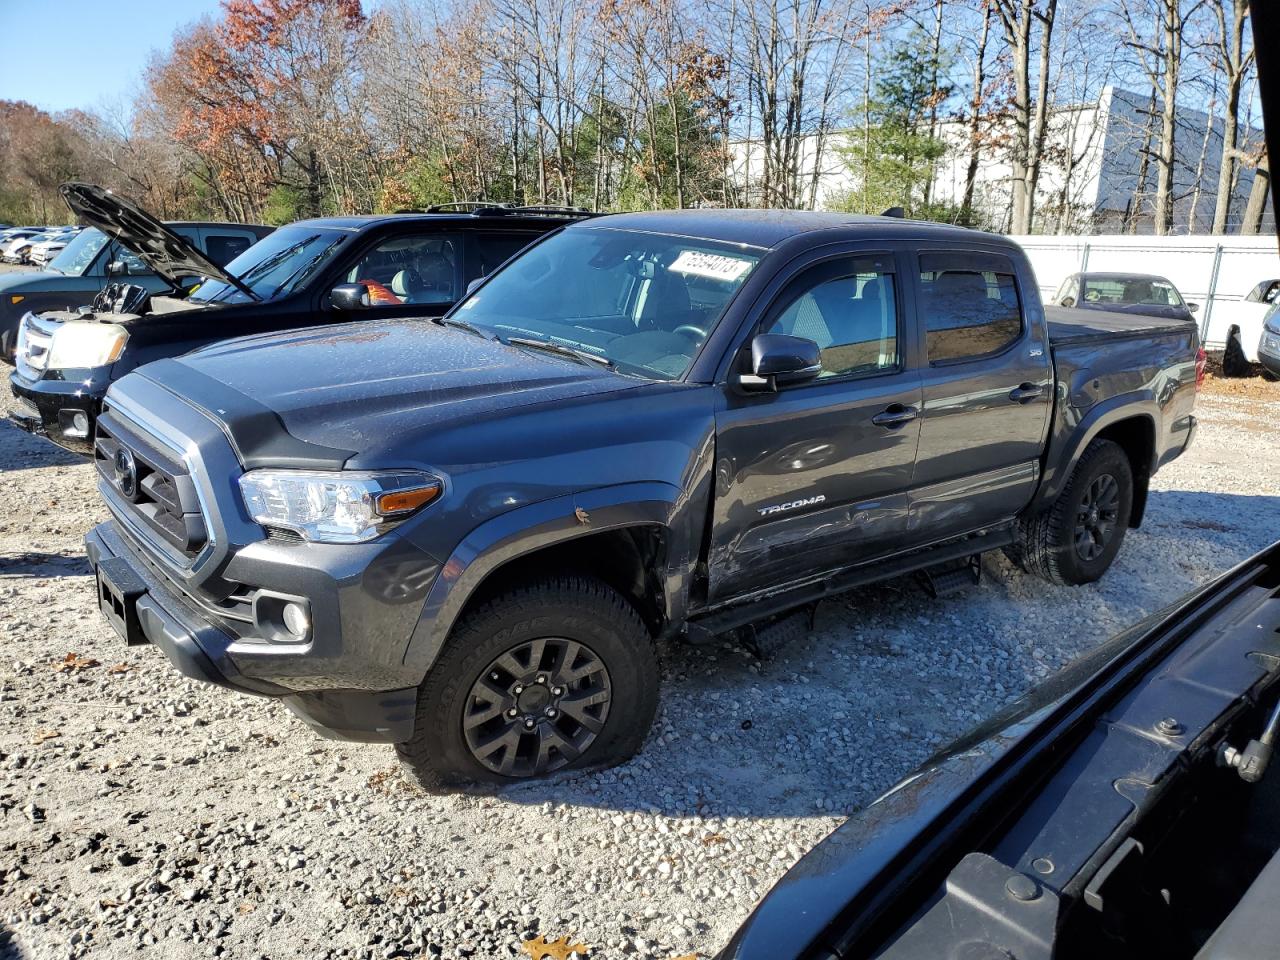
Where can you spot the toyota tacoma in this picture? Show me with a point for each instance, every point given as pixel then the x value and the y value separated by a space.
pixel 463 536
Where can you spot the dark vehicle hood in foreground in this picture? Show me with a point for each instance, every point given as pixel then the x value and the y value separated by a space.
pixel 1054 778
pixel 372 386
pixel 166 253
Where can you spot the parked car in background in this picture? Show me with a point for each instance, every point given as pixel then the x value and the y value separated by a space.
pixel 91 259
pixel 1269 343
pixel 311 272
pixel 1144 294
pixel 45 250
pixel 464 537
pixel 1126 808
pixel 1243 322
pixel 19 242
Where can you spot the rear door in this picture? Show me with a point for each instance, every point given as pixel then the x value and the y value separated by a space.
pixel 815 476
pixel 987 389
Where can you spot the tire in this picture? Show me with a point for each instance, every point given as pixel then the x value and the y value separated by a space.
pixel 1054 546
pixel 1234 362
pixel 523 650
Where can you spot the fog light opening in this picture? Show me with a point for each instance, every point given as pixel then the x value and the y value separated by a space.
pixel 79 424
pixel 296 620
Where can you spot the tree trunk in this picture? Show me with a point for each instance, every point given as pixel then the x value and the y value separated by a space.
pixel 975 118
pixel 1230 50
pixel 1257 205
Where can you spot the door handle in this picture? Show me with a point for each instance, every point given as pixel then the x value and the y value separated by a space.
pixel 895 415
pixel 1024 393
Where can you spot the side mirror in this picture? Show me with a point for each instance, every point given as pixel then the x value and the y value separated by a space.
pixel 778 360
pixel 350 296
pixel 115 268
pixel 1193 307
pixel 1068 301
pixel 474 283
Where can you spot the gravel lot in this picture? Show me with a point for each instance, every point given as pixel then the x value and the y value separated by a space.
pixel 142 814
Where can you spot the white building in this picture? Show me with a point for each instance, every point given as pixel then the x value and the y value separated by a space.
pixel 1092 179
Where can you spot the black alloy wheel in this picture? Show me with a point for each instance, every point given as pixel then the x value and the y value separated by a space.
pixel 1096 516
pixel 537 707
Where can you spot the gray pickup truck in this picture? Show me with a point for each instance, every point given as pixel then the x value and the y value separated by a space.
pixel 463 536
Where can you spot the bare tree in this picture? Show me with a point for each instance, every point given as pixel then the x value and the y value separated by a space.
pixel 1233 61
pixel 1028 28
pixel 1159 51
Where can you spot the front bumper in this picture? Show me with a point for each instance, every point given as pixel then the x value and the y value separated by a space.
pixel 221 652
pixel 1269 352
pixel 48 408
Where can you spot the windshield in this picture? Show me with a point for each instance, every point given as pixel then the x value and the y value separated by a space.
pixel 643 301
pixel 275 266
pixel 75 257
pixel 1132 291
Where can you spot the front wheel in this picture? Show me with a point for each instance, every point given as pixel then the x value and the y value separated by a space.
pixel 1078 537
pixel 557 675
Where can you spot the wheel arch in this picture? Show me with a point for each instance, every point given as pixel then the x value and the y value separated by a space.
pixel 634 537
pixel 1129 421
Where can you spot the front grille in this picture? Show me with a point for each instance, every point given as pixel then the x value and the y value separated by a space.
pixel 152 485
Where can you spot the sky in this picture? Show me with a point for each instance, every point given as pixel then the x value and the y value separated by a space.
pixel 61 54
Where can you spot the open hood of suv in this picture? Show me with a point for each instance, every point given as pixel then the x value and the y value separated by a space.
pixel 168 254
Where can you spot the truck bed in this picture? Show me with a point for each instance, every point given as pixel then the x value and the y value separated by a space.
pixel 1070 325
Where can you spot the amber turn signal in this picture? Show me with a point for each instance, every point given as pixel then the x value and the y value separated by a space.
pixel 16 298
pixel 396 502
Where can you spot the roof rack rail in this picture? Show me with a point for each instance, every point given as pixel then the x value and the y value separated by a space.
pixel 473 205
pixel 552 208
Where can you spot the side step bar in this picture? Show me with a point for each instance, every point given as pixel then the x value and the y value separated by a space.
pixel 945 578
pixel 705 628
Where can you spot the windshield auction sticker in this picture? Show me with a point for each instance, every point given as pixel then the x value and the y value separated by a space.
pixel 713 265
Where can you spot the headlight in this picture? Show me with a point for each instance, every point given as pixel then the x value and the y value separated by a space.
pixel 337 507
pixel 1272 320
pixel 85 344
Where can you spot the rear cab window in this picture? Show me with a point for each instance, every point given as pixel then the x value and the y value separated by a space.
pixel 969 304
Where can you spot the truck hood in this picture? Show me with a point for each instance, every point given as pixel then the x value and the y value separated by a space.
pixel 42 281
pixel 168 254
pixel 351 388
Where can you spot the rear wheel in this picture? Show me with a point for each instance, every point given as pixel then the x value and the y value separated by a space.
pixel 558 675
pixel 1078 537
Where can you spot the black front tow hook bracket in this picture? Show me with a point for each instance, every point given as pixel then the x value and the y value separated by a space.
pixel 1251 762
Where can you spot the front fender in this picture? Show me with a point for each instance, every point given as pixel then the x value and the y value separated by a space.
pixel 545 524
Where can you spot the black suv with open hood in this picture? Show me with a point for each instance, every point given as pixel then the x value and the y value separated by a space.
pixel 95 257
pixel 308 273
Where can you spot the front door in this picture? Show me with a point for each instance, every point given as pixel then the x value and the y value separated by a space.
pixel 815 476
pixel 988 387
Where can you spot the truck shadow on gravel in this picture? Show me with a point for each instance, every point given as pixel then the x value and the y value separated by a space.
pixel 21 451
pixel 33 564
pixel 888 676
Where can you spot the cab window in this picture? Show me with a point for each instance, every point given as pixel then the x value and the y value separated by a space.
pixel 849 309
pixel 970 305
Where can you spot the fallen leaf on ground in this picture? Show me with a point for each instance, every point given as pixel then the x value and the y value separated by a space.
pixel 73 661
pixel 539 949
pixel 118 668
pixel 43 735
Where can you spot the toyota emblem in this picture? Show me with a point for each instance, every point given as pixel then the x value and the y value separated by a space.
pixel 126 471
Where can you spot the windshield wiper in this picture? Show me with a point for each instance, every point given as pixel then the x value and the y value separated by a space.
pixel 564 350
pixel 461 325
